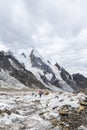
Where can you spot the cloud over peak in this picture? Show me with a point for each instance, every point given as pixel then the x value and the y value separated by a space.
pixel 57 28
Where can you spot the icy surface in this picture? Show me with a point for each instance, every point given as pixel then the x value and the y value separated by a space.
pixel 25 110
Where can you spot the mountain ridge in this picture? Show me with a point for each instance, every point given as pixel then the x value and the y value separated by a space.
pixel 33 70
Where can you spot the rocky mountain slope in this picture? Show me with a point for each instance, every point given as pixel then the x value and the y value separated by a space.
pixel 34 71
pixel 7 81
pixel 80 80
pixel 9 64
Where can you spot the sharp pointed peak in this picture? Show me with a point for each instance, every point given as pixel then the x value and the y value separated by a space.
pixel 36 53
pixel 34 50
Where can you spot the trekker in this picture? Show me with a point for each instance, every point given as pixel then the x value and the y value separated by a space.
pixel 40 92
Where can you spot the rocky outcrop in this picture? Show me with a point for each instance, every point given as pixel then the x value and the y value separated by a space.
pixel 81 81
pixel 66 77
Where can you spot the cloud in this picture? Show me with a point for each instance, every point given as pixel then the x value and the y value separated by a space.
pixel 3 47
pixel 57 28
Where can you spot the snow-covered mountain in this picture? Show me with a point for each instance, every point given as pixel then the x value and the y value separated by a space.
pixel 9 64
pixel 54 110
pixel 43 70
pixel 33 70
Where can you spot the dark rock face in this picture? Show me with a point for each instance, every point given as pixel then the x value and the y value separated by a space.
pixel 56 83
pixel 57 65
pixel 4 63
pixel 44 79
pixel 64 74
pixel 66 77
pixel 37 62
pixel 76 81
pixel 17 70
pixel 80 80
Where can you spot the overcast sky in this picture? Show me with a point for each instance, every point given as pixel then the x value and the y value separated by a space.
pixel 57 28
